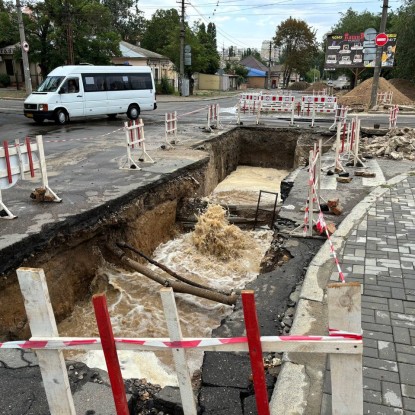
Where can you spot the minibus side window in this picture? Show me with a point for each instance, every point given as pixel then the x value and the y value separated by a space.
pixel 94 83
pixel 117 82
pixel 141 81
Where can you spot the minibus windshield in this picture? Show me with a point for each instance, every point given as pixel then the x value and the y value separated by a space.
pixel 50 84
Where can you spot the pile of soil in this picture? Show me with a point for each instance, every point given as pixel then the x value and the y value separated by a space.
pixel 406 87
pixel 397 144
pixel 359 97
pixel 317 86
pixel 299 86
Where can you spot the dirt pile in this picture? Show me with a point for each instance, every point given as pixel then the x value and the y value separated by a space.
pixel 397 144
pixel 406 87
pixel 299 86
pixel 317 86
pixel 359 97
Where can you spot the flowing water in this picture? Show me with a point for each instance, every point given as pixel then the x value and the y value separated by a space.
pixel 216 254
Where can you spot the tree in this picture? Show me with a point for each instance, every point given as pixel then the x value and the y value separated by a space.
pixel 298 44
pixel 160 29
pixel 355 22
pixel 252 52
pixel 207 40
pixel 237 69
pixel 86 24
pixel 403 25
pixel 126 19
pixel 9 32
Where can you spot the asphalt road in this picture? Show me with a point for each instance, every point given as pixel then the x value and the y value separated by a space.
pixel 14 125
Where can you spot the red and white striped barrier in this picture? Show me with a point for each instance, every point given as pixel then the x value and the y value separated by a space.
pixel 384 98
pixel 49 346
pixel 213 118
pixel 249 108
pixel 340 116
pixel 393 116
pixel 170 128
pixel 311 105
pixel 19 159
pixel 135 143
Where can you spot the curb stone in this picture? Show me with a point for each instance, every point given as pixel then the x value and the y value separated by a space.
pixel 292 393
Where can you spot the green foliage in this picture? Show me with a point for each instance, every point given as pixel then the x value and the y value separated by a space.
pixel 5 80
pixel 403 24
pixel 298 43
pixel 355 22
pixel 94 39
pixel 9 31
pixel 232 68
pixel 165 87
pixel 253 52
pixel 313 75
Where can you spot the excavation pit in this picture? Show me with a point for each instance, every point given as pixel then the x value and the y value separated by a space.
pixel 146 216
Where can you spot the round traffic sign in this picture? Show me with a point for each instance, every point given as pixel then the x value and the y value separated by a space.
pixel 381 39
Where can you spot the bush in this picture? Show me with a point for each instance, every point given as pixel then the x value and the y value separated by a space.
pixel 5 80
pixel 164 87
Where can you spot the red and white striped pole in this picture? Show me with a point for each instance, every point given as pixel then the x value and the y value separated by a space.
pixel 110 353
pixel 255 351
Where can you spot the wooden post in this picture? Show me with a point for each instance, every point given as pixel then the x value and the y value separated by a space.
pixel 310 194
pixel 255 351
pixel 179 354
pixel 42 324
pixel 344 306
pixel 110 353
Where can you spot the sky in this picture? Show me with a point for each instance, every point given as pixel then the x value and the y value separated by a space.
pixel 246 23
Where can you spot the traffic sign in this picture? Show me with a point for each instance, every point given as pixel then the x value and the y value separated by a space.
pixel 381 39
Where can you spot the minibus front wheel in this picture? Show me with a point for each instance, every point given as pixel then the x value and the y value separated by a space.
pixel 133 112
pixel 61 117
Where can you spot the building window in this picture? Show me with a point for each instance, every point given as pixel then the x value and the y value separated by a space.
pixel 9 67
pixel 156 73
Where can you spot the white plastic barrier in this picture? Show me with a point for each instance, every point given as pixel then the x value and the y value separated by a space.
pixel 277 103
pixel 16 161
pixel 249 108
pixel 135 140
pixel 393 116
pixel 318 104
pixel 213 118
pixel 171 128
pixel 340 116
pixel 384 98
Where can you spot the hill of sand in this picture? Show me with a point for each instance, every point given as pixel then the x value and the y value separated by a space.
pixel 317 86
pixel 359 97
pixel 406 87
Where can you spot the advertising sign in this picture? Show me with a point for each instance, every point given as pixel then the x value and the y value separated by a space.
pixel 358 50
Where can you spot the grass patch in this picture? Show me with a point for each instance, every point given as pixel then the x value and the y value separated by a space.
pixel 12 93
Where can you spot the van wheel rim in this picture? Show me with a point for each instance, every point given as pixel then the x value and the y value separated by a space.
pixel 134 112
pixel 62 117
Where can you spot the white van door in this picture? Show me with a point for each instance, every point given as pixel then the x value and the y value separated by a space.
pixel 72 96
pixel 95 94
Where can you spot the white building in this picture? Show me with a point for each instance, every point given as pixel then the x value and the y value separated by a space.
pixel 265 52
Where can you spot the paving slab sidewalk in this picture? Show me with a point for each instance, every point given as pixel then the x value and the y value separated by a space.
pixel 376 247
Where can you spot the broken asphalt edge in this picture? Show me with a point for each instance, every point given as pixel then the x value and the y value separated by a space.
pixel 299 386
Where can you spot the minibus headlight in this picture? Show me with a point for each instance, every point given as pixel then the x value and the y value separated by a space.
pixel 43 107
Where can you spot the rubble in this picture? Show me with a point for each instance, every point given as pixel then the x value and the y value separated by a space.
pixel 397 144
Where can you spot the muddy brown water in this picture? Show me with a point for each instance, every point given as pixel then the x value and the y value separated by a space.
pixel 76 264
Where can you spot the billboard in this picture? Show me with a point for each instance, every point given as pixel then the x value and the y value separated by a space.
pixel 358 50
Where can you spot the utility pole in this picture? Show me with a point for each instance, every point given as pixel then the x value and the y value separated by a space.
pixel 269 66
pixel 25 57
pixel 69 35
pixel 378 61
pixel 182 33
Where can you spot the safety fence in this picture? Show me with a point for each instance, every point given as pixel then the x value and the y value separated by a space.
pixel 308 107
pixel 384 98
pixel 170 128
pixel 340 116
pixel 19 159
pixel 213 118
pixel 393 116
pixel 135 143
pixel 343 344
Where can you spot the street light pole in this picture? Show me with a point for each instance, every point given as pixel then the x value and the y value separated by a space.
pixel 182 33
pixel 269 67
pixel 378 61
pixel 25 57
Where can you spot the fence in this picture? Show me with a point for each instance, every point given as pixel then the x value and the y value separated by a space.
pixel 18 160
pixel 135 143
pixel 384 98
pixel 170 128
pixel 393 116
pixel 343 344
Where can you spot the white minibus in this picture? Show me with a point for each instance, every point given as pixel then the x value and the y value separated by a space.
pixel 87 90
